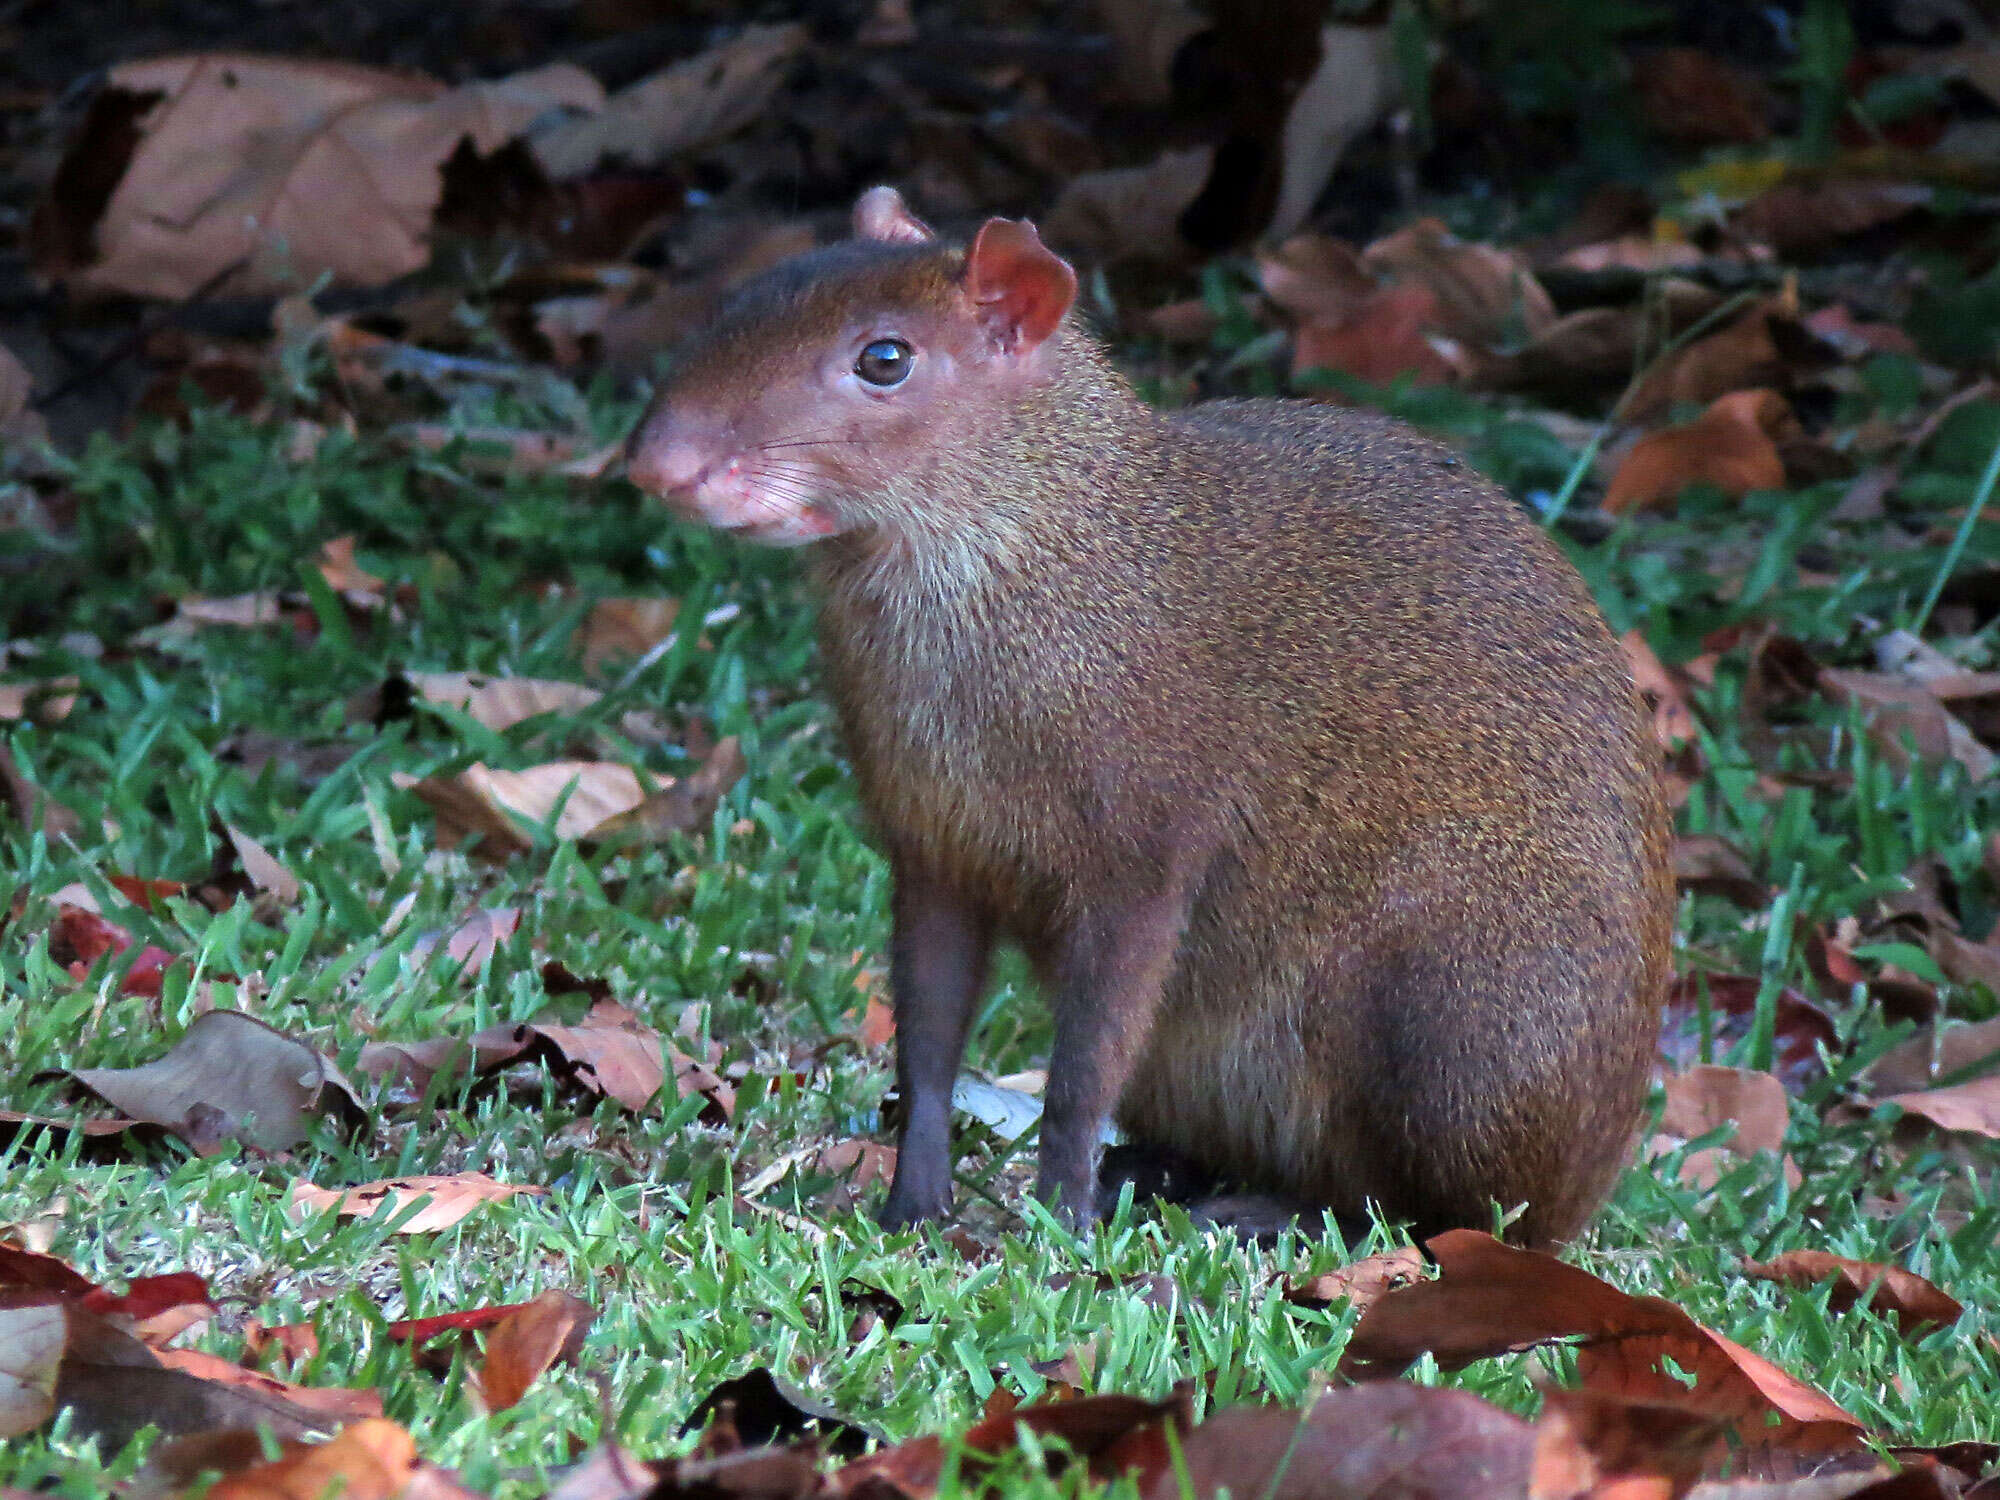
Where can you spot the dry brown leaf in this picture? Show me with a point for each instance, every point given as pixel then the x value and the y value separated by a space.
pixel 371 1460
pixel 1933 1053
pixel 1593 1446
pixel 1972 1107
pixel 1361 1283
pixel 1485 295
pixel 1673 719
pixel 532 1337
pixel 451 1198
pixel 1901 715
pixel 1491 1298
pixel 1732 445
pixel 1705 1097
pixel 265 871
pixel 245 610
pixel 334 1404
pixel 1124 213
pixel 1315 278
pixel 1914 1303
pixel 1710 864
pixel 48 701
pixel 684 805
pixel 1688 94
pixel 610 1052
pixel 696 100
pixel 501 702
pixel 624 628
pixel 230 1075
pixel 1804 218
pixel 1389 1439
pixel 282 168
pixel 1742 355
pixel 32 1336
pixel 473 942
pixel 349 579
pixel 1390 333
pixel 485 803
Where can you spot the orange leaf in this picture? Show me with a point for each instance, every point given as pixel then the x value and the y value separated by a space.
pixel 1729 446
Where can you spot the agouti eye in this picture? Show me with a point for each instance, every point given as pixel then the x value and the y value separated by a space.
pixel 885 362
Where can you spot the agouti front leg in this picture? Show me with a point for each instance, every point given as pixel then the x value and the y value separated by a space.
pixel 937 966
pixel 1110 968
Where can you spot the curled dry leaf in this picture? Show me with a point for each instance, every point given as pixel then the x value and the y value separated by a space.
pixel 230 1075
pixel 1802 1027
pixel 347 578
pixel 1124 213
pixel 114 1385
pixel 270 171
pixel 1970 1107
pixel 1687 94
pixel 1491 1298
pixel 502 702
pixel 372 1460
pixel 1934 1053
pixel 266 873
pixel 1902 716
pixel 1593 1446
pixel 1484 295
pixel 1915 1304
pixel 1709 864
pixel 529 1339
pixel 48 701
pixel 697 100
pixel 624 628
pixel 450 1199
pixel 1732 445
pixel 1742 355
pixel 612 1052
pixel 1360 1283
pixel 1705 1098
pixel 1378 1439
pixel 1665 695
pixel 473 942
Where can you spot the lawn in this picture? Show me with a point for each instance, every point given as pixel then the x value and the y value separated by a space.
pixel 755 941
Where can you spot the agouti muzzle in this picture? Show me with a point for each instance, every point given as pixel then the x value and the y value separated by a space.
pixel 1295 757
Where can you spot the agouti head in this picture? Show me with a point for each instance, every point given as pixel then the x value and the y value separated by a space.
pixel 834 381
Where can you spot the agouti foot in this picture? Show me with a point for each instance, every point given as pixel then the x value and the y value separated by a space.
pixel 1154 1172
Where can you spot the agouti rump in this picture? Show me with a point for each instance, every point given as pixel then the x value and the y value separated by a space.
pixel 1296 758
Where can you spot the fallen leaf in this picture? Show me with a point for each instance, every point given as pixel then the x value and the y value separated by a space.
pixel 1491 1298
pixel 32 1336
pixel 1688 94
pixel 612 1052
pixel 1732 446
pixel 1902 716
pixel 265 872
pixel 1709 864
pixel 697 100
pixel 1743 354
pixel 532 1337
pixel 1801 1027
pixel 1484 295
pixel 1388 1439
pixel 1124 213
pixel 1390 333
pixel 1705 1098
pixel 683 805
pixel 230 1075
pixel 484 803
pixel 1933 1053
pixel 48 701
pixel 473 942
pixel 269 171
pixel 451 1199
pixel 1593 1446
pixel 1971 1107
pixel 1915 1304
pixel 1804 218
pixel 624 628
pixel 1666 697
pixel 860 1164
pixel 1360 1283
pixel 372 1460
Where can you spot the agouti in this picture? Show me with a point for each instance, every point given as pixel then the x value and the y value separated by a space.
pixel 1295 757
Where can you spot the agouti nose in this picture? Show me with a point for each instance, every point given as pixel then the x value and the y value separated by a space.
pixel 666 468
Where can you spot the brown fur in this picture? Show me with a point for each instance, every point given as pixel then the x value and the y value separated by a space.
pixel 1295 756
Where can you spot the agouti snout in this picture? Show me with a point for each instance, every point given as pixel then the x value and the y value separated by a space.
pixel 1293 755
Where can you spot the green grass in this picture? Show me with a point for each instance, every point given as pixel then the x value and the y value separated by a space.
pixel 748 934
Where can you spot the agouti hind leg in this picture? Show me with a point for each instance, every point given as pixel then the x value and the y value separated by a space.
pixel 937 966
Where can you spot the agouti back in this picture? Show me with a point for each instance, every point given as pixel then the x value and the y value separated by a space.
pixel 1296 758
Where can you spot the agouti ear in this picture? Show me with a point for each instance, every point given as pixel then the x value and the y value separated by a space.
pixel 881 214
pixel 1020 286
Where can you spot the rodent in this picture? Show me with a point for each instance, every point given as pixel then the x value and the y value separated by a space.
pixel 1296 758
